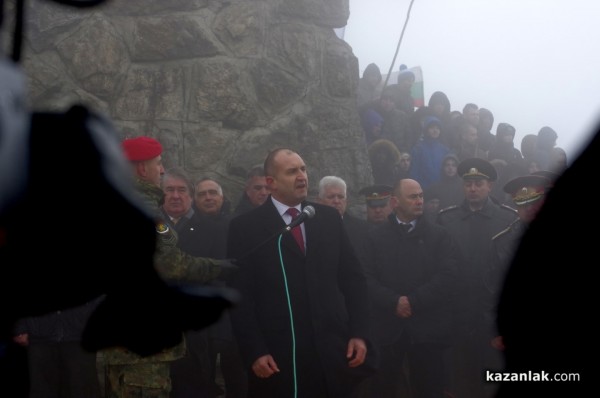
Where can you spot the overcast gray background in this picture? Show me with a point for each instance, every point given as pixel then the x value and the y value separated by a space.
pixel 530 62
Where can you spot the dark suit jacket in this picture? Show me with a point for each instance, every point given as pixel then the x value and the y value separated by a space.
pixel 357 231
pixel 203 236
pixel 421 265
pixel 327 292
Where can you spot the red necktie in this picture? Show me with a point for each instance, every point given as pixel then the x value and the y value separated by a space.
pixel 296 231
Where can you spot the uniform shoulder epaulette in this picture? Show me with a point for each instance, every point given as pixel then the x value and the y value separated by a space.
pixel 506 207
pixel 445 209
pixel 505 230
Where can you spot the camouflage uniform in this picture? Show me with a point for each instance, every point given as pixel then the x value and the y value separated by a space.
pixel 128 374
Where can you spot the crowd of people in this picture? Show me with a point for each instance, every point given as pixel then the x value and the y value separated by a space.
pixel 400 302
pixel 431 132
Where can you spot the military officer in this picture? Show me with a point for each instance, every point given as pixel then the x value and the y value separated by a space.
pixel 377 199
pixel 473 224
pixel 528 194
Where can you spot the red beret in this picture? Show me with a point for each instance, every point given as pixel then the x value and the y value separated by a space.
pixel 141 148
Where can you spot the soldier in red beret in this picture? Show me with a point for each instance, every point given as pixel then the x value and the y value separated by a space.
pixel 141 148
pixel 145 155
pixel 127 373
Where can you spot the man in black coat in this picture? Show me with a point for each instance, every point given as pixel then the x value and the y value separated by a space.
pixel 201 235
pixel 255 192
pixel 302 322
pixel 411 271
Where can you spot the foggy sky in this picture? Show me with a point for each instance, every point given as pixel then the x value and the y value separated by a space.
pixel 532 63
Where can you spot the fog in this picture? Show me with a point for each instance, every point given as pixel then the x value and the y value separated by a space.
pixel 532 63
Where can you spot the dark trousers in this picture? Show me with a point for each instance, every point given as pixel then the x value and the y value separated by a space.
pixel 62 370
pixel 425 370
pixel 190 375
pixel 466 363
pixel 232 368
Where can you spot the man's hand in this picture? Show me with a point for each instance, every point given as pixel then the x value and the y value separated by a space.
pixel 265 367
pixel 357 352
pixel 403 309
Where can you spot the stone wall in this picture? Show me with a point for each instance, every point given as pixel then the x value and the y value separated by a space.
pixel 218 82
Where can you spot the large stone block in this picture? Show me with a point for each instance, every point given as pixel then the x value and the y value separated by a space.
pixel 218 82
pixel 95 55
pixel 242 28
pixel 221 92
pixel 297 48
pixel 276 89
pixel 170 37
pixel 152 7
pixel 48 23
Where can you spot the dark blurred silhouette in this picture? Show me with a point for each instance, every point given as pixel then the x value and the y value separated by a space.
pixel 72 230
pixel 545 312
pixel 59 252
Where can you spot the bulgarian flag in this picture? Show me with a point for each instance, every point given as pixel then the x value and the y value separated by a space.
pixel 417 91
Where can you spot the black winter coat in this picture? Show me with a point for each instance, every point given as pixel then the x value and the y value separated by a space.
pixel 421 265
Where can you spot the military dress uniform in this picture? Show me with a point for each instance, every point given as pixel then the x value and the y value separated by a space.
pixel 377 199
pixel 473 231
pixel 505 243
pixel 524 190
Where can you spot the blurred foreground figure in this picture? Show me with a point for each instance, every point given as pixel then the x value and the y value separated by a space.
pixel 58 253
pixel 545 314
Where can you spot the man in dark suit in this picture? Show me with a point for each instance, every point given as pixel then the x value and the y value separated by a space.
pixel 302 322
pixel 411 266
pixel 202 235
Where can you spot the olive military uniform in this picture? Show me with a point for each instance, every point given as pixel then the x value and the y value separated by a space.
pixel 127 373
